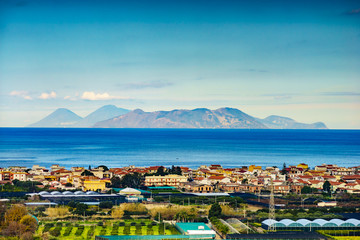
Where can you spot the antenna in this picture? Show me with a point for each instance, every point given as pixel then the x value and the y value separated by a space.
pixel 272 227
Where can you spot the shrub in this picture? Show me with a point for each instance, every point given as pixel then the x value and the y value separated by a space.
pixel 59 211
pixel 48 226
pixel 55 232
pixel 91 232
pixel 79 231
pixel 126 230
pixel 68 231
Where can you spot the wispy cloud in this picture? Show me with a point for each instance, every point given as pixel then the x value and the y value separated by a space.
pixel 340 94
pixel 150 84
pixel 45 95
pixel 22 94
pixel 92 96
pixel 280 96
pixel 353 12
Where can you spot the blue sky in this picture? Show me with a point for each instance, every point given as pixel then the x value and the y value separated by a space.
pixel 299 59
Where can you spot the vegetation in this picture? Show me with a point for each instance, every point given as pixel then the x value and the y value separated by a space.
pixel 133 180
pixel 215 211
pixel 17 223
pixel 20 186
pixel 223 229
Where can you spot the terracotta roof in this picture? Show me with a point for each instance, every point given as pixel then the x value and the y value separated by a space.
pixel 216 177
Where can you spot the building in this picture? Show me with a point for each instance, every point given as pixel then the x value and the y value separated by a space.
pixel 196 187
pixel 253 168
pixel 79 196
pixel 94 184
pixel 168 180
pixel 308 225
pixel 195 229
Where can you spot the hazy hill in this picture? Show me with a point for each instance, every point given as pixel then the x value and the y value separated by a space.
pixel 278 122
pixel 103 113
pixel 61 117
pixel 197 118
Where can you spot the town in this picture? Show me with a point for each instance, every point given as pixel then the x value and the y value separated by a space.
pixel 179 202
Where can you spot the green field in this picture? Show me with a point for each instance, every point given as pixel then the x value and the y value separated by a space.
pixel 70 231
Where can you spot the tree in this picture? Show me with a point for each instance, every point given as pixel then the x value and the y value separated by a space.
pixel 160 171
pixel 284 171
pixel 117 212
pixel 133 180
pixel 115 182
pixel 15 213
pixel 327 187
pixel 30 223
pixel 106 204
pixel 306 190
pixel 87 173
pixel 80 208
pixel 14 229
pixel 105 168
pixel 215 211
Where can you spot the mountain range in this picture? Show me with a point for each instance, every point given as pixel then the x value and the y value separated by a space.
pixel 63 117
pixel 110 116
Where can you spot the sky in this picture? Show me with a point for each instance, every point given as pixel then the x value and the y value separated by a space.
pixel 299 59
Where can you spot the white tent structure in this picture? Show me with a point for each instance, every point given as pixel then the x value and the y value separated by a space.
pixel 130 191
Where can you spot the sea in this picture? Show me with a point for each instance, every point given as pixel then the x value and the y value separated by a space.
pixel 186 147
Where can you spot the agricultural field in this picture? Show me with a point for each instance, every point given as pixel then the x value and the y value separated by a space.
pixel 88 230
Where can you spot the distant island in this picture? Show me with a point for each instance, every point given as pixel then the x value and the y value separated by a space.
pixel 110 116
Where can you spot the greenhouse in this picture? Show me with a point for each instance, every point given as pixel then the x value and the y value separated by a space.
pixel 79 196
pixel 312 225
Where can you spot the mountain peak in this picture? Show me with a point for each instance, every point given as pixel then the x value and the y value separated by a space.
pixel 61 117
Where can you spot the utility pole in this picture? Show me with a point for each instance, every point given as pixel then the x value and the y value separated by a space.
pixel 272 227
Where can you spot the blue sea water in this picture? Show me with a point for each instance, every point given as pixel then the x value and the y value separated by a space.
pixel 186 147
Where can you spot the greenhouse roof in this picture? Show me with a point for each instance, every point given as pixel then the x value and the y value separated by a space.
pixel 317 222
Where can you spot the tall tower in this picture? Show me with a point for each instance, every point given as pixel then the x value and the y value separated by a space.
pixel 272 227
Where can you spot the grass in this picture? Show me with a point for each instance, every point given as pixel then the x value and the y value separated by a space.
pixel 346 238
pixel 107 229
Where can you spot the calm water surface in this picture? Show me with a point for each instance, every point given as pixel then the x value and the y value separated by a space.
pixel 187 147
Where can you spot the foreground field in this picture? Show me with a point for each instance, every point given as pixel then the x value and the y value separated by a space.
pixel 73 231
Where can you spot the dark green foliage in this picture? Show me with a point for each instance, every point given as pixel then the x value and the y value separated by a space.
pixel 79 231
pixel 68 231
pixel 104 167
pixel 106 205
pixel 56 231
pixel 308 190
pixel 48 226
pixel 87 173
pixel 126 230
pixel 149 230
pixel 115 229
pixel 115 182
pixel 103 231
pixel 175 170
pixel 20 186
pixel 138 230
pixel 160 171
pixel 215 211
pixel 327 187
pixel 72 204
pixel 80 209
pixel 132 180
